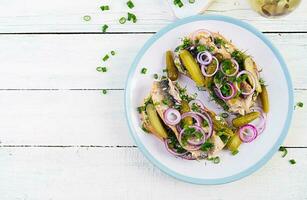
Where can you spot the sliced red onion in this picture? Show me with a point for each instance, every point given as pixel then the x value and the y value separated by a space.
pixel 206 117
pixel 193 115
pixel 220 94
pixel 172 116
pixel 197 102
pixel 235 63
pixel 190 147
pixel 253 84
pixel 262 124
pixel 197 32
pixel 204 57
pixel 249 136
pixel 200 142
pixel 203 68
pixel 172 151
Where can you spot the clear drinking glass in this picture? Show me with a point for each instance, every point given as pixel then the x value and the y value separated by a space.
pixel 274 8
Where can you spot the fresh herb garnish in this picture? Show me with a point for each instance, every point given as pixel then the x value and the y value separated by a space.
pixel 239 56
pixel 105 7
pixel 113 53
pixel 225 115
pixel 284 150
pixel 190 133
pixel 191 1
pixel 87 18
pixel 300 104
pixel 178 3
pixel 106 57
pixel 132 17
pixel 206 146
pixel 122 20
pixel 292 161
pixel 156 76
pixel 219 42
pixel 104 28
pixel 104 91
pixel 130 4
pixel 140 109
pixel 215 160
pixel 101 69
pixel 144 70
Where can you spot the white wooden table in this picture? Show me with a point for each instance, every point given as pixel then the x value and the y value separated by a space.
pixel 62 139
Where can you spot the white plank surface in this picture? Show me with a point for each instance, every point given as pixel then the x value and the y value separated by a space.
pixel 70 61
pixel 99 173
pixel 66 16
pixel 86 118
pixel 60 143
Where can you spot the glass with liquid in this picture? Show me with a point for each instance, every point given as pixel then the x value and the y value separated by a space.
pixel 274 8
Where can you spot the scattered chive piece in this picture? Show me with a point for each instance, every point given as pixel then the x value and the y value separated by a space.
pixel 105 7
pixel 104 91
pixel 104 28
pixel 191 1
pixel 104 69
pixel 130 4
pixel 225 115
pixel 106 57
pixel 235 152
pixel 122 20
pixel 112 53
pixel 144 70
pixel 99 69
pixel 216 160
pixel 292 161
pixel 284 150
pixel 300 104
pixel 132 17
pixel 156 76
pixel 87 18
pixel 178 3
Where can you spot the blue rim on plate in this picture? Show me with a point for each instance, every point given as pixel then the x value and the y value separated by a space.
pixel 251 169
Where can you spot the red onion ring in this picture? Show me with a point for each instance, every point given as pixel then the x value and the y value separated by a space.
pixel 261 126
pixel 171 151
pixel 197 102
pixel 169 113
pixel 198 128
pixel 203 68
pixel 193 115
pixel 206 117
pixel 197 32
pixel 250 138
pixel 220 94
pixel 191 147
pixel 207 59
pixel 253 79
pixel 233 61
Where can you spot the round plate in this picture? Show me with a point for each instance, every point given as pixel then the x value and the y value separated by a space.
pixel 251 156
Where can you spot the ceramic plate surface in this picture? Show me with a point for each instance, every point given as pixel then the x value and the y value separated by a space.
pixel 251 156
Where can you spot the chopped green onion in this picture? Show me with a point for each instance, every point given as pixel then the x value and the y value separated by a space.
pixel 106 57
pixel 104 91
pixel 216 160
pixel 191 1
pixel 225 115
pixel 112 53
pixel 130 4
pixel 122 20
pixel 104 28
pixel 235 152
pixel 156 76
pixel 101 69
pixel 144 70
pixel 178 3
pixel 292 161
pixel 87 18
pixel 105 7
pixel 284 150
pixel 300 104
pixel 132 17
